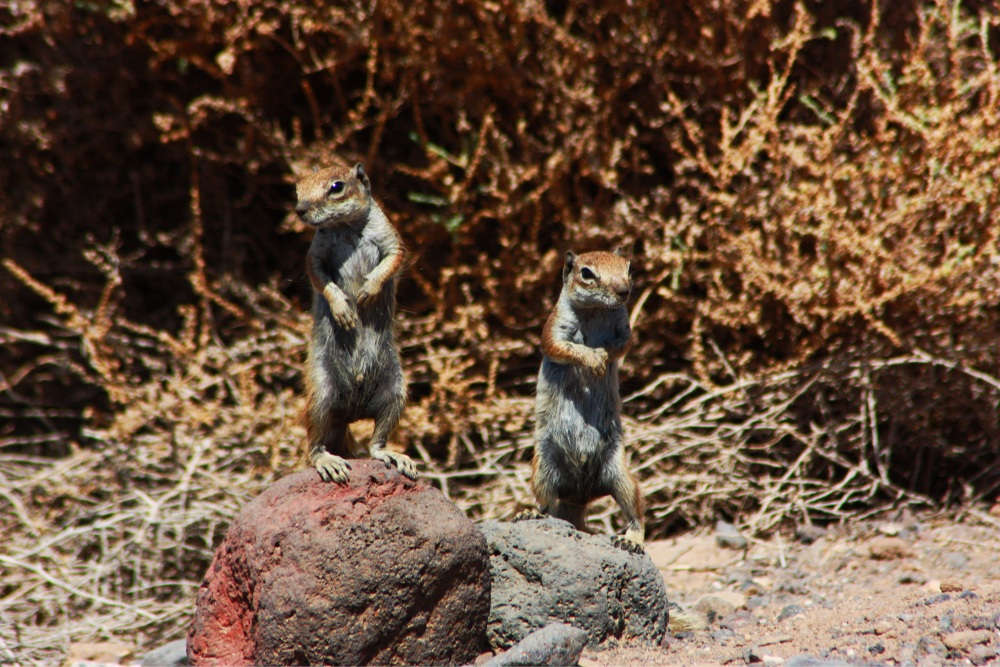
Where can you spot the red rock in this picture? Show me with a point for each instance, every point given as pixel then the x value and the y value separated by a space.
pixel 382 570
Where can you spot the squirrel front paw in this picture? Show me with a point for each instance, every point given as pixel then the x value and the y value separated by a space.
pixel 341 311
pixel 403 462
pixel 331 468
pixel 596 361
pixel 528 515
pixel 368 292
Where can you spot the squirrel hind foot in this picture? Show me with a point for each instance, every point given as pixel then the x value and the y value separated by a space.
pixel 332 468
pixel 627 543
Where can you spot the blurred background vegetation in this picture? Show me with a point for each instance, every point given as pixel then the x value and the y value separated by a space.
pixel 810 190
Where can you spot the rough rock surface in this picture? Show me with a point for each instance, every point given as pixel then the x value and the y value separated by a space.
pixel 382 570
pixel 545 571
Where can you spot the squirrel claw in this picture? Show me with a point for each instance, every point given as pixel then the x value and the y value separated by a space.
pixel 626 544
pixel 528 515
pixel 332 468
pixel 403 463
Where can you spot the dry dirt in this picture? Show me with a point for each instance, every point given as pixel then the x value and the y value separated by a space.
pixel 922 592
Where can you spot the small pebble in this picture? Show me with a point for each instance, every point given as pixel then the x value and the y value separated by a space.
pixel 806 660
pixel 738 620
pixel 968 595
pixel 714 606
pixel 931 646
pixel 882 627
pixel 951 586
pixel 789 611
pixel 966 639
pixel 912 578
pixel 943 597
pixel 757 601
pixel 683 634
pixel 877 648
pixel 807 534
pixel 722 635
pixel 980 655
pixel 890 529
pixel 889 548
pixel 728 537
pixel 171 654
pixel 906 618
pixel 555 644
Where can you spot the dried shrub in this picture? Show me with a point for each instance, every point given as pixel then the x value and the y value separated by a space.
pixel 810 190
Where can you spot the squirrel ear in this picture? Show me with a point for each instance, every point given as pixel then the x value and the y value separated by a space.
pixel 625 251
pixel 568 266
pixel 359 171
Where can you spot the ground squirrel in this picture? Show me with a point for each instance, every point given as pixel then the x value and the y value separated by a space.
pixel 353 371
pixel 578 431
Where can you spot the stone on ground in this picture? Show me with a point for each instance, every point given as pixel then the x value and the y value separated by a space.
pixel 554 645
pixel 545 571
pixel 382 570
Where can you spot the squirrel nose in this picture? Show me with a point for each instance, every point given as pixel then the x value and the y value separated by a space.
pixel 623 291
pixel 301 208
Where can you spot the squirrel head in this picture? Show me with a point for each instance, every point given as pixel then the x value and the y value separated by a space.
pixel 597 279
pixel 334 196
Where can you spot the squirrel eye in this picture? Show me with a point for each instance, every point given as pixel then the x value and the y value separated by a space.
pixel 337 187
pixel 587 274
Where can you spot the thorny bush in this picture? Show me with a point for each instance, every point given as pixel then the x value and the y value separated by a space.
pixel 810 190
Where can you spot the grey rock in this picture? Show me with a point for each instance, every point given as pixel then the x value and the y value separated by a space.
pixel 931 646
pixel 546 571
pixel 758 601
pixel 722 635
pixel 934 599
pixel 728 537
pixel 555 644
pixel 877 648
pixel 171 654
pixel 789 611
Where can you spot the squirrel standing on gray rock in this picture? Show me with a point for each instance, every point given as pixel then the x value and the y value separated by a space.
pixel 353 371
pixel 578 431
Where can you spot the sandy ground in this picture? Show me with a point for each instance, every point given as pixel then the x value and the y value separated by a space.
pixel 921 592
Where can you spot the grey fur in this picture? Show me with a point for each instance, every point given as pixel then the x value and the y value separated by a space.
pixel 578 431
pixel 353 370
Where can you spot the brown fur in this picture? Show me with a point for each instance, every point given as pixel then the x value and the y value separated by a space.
pixel 353 371
pixel 578 435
